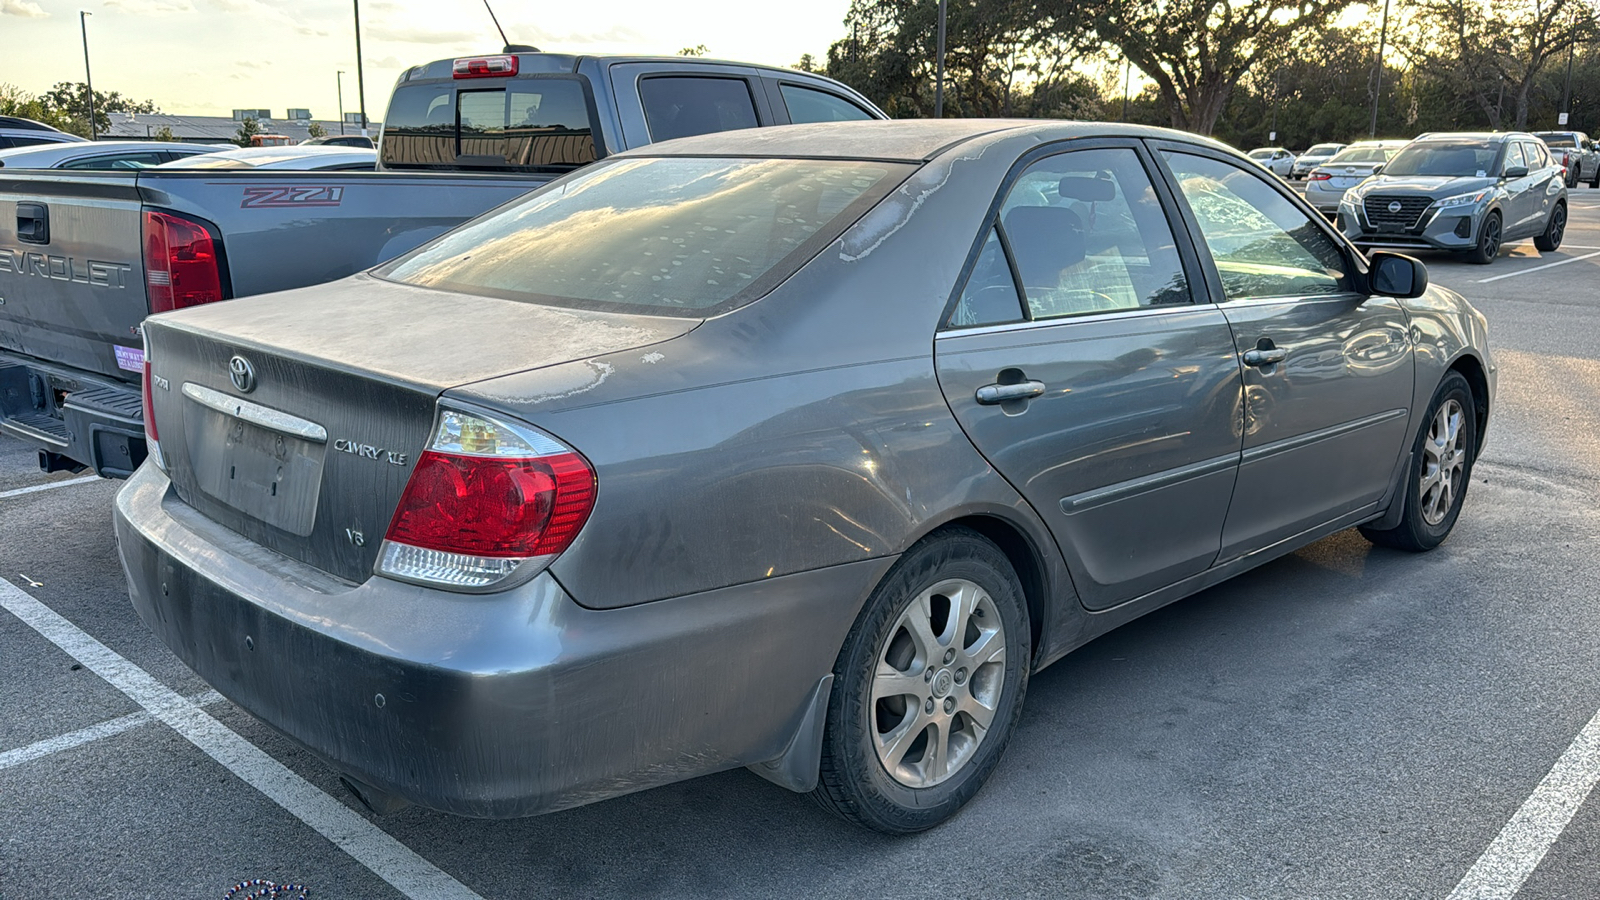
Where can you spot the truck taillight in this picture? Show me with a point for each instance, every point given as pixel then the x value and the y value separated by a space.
pixel 488 499
pixel 151 438
pixel 484 67
pixel 180 263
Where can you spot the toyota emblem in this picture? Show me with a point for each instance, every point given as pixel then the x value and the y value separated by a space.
pixel 1394 206
pixel 242 374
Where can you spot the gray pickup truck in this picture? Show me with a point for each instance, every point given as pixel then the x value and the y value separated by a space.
pixel 85 257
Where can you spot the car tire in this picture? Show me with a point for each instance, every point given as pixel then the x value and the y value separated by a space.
pixel 902 695
pixel 1595 181
pixel 1490 235
pixel 1441 468
pixel 1554 230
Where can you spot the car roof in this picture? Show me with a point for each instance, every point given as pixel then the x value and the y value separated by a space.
pixel 46 155
pixel 1491 137
pixel 895 140
pixel 292 156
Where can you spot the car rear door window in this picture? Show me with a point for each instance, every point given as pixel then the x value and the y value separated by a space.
pixel 990 295
pixel 1514 157
pixel 808 105
pixel 685 105
pixel 1262 244
pixel 1087 234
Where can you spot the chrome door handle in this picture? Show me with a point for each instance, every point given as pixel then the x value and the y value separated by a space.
pixel 990 394
pixel 1259 357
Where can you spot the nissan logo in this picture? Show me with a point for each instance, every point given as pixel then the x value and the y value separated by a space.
pixel 1394 206
pixel 242 374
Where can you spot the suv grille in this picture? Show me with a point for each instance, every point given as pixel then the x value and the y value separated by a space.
pixel 1380 211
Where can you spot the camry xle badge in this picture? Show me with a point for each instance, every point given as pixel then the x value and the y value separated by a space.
pixel 1394 206
pixel 242 374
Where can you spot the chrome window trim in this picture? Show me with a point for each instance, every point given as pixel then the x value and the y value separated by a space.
pixel 1132 312
pixel 256 414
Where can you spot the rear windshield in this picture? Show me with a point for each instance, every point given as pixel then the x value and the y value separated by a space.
pixel 1558 140
pixel 524 125
pixel 1361 155
pixel 1455 159
pixel 673 236
pixel 1323 150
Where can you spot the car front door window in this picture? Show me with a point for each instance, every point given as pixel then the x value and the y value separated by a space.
pixel 1262 244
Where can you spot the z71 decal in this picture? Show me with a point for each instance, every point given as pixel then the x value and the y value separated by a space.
pixel 256 197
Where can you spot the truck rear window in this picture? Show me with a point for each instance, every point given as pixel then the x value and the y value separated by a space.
pixel 672 236
pixel 528 124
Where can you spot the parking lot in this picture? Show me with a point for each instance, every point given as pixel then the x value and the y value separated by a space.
pixel 1345 722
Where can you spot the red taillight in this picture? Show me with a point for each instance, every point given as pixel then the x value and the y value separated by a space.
pixel 489 506
pixel 152 440
pixel 180 263
pixel 484 67
pixel 1320 176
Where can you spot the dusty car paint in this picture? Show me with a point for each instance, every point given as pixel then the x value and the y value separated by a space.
pixel 758 471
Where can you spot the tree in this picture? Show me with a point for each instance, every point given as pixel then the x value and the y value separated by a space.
pixel 70 100
pixel 15 101
pixel 807 63
pixel 1196 51
pixel 163 134
pixel 1496 49
pixel 696 50
pixel 247 129
pixel 316 130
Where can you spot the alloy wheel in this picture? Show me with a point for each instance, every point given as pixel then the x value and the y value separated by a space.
pixel 1491 237
pixel 939 679
pixel 1444 460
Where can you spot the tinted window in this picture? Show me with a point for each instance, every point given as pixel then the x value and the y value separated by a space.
pixel 1361 155
pixel 1536 155
pixel 1262 244
pixel 5 143
pixel 660 235
pixel 531 124
pixel 1088 234
pixel 682 106
pixel 1323 149
pixel 1454 159
pixel 807 105
pixel 1559 140
pixel 990 295
pixel 121 161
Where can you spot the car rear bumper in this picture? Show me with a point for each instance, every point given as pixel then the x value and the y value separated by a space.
pixel 85 419
pixel 490 706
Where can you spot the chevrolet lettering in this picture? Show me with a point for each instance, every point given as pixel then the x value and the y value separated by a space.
pixel 94 272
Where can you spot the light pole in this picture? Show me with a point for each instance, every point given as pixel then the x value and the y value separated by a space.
pixel 1377 70
pixel 1566 92
pixel 338 79
pixel 938 90
pixel 361 80
pixel 83 23
pixel 1127 79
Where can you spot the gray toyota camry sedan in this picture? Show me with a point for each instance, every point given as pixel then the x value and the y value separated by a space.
pixel 797 449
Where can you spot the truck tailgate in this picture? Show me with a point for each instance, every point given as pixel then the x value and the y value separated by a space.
pixel 71 272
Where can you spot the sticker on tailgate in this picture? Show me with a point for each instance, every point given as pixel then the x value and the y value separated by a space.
pixel 130 358
pixel 260 197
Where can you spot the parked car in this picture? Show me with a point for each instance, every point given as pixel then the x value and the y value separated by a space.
pixel 461 136
pixel 296 157
pixel 101 155
pixel 1467 192
pixel 1276 160
pixel 1326 184
pixel 797 450
pixel 1576 153
pixel 19 132
pixel 342 140
pixel 1316 156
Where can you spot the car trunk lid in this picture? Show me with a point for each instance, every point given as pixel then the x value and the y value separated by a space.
pixel 295 419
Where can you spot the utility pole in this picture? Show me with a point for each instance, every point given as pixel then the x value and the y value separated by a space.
pixel 938 90
pixel 338 80
pixel 83 23
pixel 1566 92
pixel 1127 79
pixel 361 80
pixel 1377 70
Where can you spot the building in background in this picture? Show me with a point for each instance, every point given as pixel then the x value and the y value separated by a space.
pixel 222 129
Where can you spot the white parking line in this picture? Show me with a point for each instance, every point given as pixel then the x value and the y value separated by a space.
pixel 369 845
pixel 48 487
pixel 1503 868
pixel 1559 262
pixel 95 732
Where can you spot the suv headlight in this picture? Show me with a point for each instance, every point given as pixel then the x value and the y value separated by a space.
pixel 1461 200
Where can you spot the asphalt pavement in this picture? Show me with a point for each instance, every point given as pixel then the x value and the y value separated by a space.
pixel 1346 722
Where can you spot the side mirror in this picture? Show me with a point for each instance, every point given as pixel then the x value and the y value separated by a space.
pixel 1377 170
pixel 1397 275
pixel 1515 172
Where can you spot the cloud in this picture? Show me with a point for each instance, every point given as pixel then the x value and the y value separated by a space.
pixel 251 63
pixel 417 35
pixel 22 8
pixel 149 7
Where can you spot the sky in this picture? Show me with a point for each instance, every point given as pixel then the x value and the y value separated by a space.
pixel 209 57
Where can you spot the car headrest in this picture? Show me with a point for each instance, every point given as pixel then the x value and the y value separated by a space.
pixel 1044 240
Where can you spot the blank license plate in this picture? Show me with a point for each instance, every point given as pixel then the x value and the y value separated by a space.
pixel 265 474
